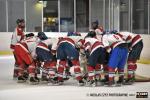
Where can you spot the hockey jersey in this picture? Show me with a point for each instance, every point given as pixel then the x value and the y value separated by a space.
pixel 92 44
pixel 50 42
pixel 99 32
pixel 73 40
pixel 17 36
pixel 111 41
pixel 29 45
pixel 130 37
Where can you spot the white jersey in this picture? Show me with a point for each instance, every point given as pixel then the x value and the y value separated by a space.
pixel 130 37
pixel 92 44
pixel 99 32
pixel 17 36
pixel 73 40
pixel 49 42
pixel 31 43
pixel 112 40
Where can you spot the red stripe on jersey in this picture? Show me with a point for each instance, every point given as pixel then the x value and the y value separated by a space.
pixel 12 46
pixel 68 40
pixel 120 35
pixel 86 45
pixel 24 44
pixel 115 44
pixel 97 43
pixel 136 39
pixel 129 38
pixel 43 45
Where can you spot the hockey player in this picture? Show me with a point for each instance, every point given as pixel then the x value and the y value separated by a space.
pixel 135 48
pixel 46 52
pixel 17 36
pixel 66 51
pixel 25 52
pixel 98 30
pixel 96 58
pixel 118 56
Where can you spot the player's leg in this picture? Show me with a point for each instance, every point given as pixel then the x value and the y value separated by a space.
pixel 61 55
pixel 113 62
pixel 73 55
pixel 93 67
pixel 123 55
pixel 134 55
pixel 21 64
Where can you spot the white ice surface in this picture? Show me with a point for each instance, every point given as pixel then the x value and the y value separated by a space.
pixel 10 90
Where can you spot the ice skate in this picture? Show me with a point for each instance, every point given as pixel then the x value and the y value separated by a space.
pixel 21 79
pixel 99 83
pixel 129 81
pixel 81 83
pixel 91 83
pixel 33 81
pixel 67 76
pixel 60 82
pixel 52 81
pixel 109 84
pixel 44 80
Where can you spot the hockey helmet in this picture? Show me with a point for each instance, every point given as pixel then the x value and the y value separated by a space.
pixel 29 35
pixel 91 34
pixel 114 32
pixel 42 36
pixel 70 33
pixel 18 21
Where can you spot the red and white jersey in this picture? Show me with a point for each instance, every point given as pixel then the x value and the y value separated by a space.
pixel 130 37
pixel 99 32
pixel 17 36
pixel 112 40
pixel 71 40
pixel 49 42
pixel 29 45
pixel 92 44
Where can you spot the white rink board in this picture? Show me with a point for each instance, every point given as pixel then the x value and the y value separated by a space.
pixel 5 38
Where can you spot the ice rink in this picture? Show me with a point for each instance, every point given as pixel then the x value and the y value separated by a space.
pixel 10 90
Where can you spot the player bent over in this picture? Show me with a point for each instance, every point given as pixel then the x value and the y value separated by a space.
pixel 95 60
pixel 118 56
pixel 45 51
pixel 135 48
pixel 66 51
pixel 23 51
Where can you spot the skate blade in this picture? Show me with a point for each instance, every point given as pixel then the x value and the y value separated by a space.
pixel 81 84
pixel 89 85
pixel 127 83
pixel 21 81
pixel 33 83
pixel 110 85
pixel 43 82
pixel 118 85
pixel 99 84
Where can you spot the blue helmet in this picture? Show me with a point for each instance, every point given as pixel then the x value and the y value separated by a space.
pixel 70 34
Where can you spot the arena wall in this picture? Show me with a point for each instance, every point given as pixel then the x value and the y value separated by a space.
pixel 5 38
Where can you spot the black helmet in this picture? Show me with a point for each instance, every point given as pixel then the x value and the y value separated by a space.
pixel 29 35
pixel 42 36
pixel 91 34
pixel 20 21
pixel 114 32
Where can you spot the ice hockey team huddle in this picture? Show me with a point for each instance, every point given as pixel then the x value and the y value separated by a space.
pixel 96 59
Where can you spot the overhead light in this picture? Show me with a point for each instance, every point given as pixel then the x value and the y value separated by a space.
pixel 40 1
